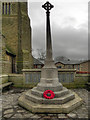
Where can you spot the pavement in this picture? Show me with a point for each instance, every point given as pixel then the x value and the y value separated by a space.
pixel 9 108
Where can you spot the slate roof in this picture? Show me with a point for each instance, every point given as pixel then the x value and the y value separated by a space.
pixel 65 61
pixel 37 62
pixel 70 62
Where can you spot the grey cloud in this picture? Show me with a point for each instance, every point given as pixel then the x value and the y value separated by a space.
pixel 69 20
pixel 68 42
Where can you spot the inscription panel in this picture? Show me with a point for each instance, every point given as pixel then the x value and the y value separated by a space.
pixel 34 77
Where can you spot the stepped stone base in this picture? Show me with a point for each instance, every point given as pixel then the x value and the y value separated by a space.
pixel 27 102
pixel 63 102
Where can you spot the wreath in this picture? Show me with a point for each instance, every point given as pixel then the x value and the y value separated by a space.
pixel 48 94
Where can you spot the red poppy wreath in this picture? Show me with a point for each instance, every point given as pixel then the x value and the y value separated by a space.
pixel 48 94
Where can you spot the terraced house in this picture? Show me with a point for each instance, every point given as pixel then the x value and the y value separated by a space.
pixel 83 66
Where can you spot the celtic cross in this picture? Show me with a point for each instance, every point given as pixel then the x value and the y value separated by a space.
pixel 47 6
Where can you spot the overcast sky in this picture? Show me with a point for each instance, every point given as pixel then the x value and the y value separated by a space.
pixel 69 27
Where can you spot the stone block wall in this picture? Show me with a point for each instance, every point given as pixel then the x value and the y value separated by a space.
pixel 10 32
pixel 3 79
pixel 19 81
pixel 6 67
pixel 16 32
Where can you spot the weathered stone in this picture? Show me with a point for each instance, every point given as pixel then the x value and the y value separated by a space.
pixel 12 38
pixel 52 114
pixel 7 107
pixel 0 113
pixel 16 106
pixel 42 108
pixel 57 100
pixel 64 100
pixel 20 111
pixel 72 115
pixel 62 116
pixel 36 116
pixel 28 115
pixel 46 117
pixel 17 116
pixel 7 115
pixel 8 111
pixel 83 116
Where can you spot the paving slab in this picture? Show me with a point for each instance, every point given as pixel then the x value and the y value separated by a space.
pixel 8 115
pixel 72 115
pixel 9 98
pixel 8 111
pixel 42 108
pixel 62 116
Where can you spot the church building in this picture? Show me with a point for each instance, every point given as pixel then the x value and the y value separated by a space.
pixel 16 38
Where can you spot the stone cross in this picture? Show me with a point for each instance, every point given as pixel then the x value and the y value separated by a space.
pixel 64 100
pixel 47 6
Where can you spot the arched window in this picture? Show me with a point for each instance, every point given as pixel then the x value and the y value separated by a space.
pixel 6 8
pixel 9 8
pixel 3 8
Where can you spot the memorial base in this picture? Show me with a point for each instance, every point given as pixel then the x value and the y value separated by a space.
pixel 52 108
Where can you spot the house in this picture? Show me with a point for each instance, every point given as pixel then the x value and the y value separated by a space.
pixel 74 64
pixel 85 66
pixel 68 64
pixel 37 63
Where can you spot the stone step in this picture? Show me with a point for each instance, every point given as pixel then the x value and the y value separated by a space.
pixel 48 86
pixel 50 108
pixel 5 85
pixel 41 100
pixel 58 94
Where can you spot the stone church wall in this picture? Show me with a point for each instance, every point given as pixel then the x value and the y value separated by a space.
pixel 16 34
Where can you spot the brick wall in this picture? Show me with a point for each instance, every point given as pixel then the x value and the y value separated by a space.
pixel 69 67
pixel 85 66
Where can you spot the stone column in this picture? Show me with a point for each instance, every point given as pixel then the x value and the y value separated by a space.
pixel 49 73
pixel 47 6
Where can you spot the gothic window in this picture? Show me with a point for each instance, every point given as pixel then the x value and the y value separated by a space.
pixel 9 8
pixel 6 8
pixel 3 8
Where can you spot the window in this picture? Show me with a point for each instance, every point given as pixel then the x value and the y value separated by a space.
pixel 6 8
pixel 9 8
pixel 59 67
pixel 78 67
pixel 3 8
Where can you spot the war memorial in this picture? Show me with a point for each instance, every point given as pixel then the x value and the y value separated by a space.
pixel 57 99
pixel 36 93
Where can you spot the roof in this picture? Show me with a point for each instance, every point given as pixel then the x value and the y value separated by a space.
pixel 70 62
pixel 66 61
pixel 61 58
pixel 42 60
pixel 37 62
pixel 85 61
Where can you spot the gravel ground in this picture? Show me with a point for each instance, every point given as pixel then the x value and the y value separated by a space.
pixel 11 110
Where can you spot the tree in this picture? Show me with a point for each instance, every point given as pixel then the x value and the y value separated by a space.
pixel 41 54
